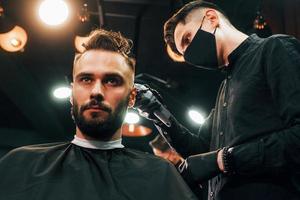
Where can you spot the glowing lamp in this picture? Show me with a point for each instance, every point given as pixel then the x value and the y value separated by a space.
pixel 62 92
pixel 14 40
pixel 53 12
pixel 196 117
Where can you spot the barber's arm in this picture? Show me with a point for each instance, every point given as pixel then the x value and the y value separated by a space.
pixel 185 142
pixel 149 104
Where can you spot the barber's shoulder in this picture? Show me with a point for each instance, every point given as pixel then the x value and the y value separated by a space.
pixel 280 40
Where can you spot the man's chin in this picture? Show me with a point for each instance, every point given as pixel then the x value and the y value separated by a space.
pixel 94 121
pixel 97 130
pixel 95 116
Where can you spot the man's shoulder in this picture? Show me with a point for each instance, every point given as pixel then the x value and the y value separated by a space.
pixel 34 150
pixel 147 157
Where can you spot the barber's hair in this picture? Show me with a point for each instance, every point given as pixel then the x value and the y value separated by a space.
pixel 101 39
pixel 180 17
pixel 159 143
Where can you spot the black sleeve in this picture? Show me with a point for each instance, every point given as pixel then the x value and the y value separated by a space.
pixel 279 151
pixel 187 143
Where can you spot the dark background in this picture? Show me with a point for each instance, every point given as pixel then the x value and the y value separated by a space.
pixel 29 114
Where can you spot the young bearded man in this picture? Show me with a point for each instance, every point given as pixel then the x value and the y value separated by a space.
pixel 94 165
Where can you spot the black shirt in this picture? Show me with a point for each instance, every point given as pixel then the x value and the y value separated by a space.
pixel 258 114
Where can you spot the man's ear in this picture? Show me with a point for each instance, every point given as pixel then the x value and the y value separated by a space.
pixel 132 97
pixel 71 96
pixel 213 17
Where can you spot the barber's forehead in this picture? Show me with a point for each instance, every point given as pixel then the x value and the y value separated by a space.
pixel 193 15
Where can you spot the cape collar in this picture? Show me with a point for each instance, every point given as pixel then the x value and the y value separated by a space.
pixel 96 144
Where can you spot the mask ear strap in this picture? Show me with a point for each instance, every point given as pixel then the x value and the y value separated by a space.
pixel 202 24
pixel 215 30
pixel 202 21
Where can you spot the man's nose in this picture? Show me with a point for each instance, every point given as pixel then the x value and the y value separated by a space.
pixel 97 90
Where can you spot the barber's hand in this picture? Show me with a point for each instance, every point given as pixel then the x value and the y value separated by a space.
pixel 199 168
pixel 149 105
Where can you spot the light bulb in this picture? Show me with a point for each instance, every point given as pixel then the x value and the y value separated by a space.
pixel 53 12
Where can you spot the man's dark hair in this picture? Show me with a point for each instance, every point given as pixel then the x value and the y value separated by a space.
pixel 180 17
pixel 111 41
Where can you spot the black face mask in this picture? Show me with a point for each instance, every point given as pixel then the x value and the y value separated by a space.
pixel 202 51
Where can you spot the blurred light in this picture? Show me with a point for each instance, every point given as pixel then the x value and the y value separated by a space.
pixel 134 130
pixel 1 10
pixel 79 41
pixel 62 92
pixel 131 128
pixel 196 116
pixel 84 15
pixel 53 12
pixel 13 40
pixel 132 118
pixel 259 22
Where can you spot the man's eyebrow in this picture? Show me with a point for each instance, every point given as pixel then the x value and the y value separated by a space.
pixel 114 74
pixel 86 74
pixel 110 74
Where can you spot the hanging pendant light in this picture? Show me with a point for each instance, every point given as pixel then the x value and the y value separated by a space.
pixel 259 22
pixel 14 40
pixel 83 28
pixel 12 37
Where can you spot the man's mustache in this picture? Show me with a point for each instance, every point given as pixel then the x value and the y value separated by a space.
pixel 96 104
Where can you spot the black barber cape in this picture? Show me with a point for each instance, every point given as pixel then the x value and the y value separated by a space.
pixel 65 171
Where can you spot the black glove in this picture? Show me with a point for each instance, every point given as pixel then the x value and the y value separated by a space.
pixel 149 105
pixel 199 168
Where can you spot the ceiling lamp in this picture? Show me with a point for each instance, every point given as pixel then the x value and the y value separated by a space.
pixel 85 26
pixel 53 12
pixel 132 118
pixel 83 29
pixel 135 130
pixel 130 128
pixel 196 116
pixel 259 22
pixel 12 37
pixel 13 40
pixel 84 15
pixel 62 92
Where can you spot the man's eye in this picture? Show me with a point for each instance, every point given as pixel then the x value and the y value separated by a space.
pixel 85 79
pixel 113 81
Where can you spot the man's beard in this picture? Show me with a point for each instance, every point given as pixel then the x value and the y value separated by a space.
pixel 97 127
